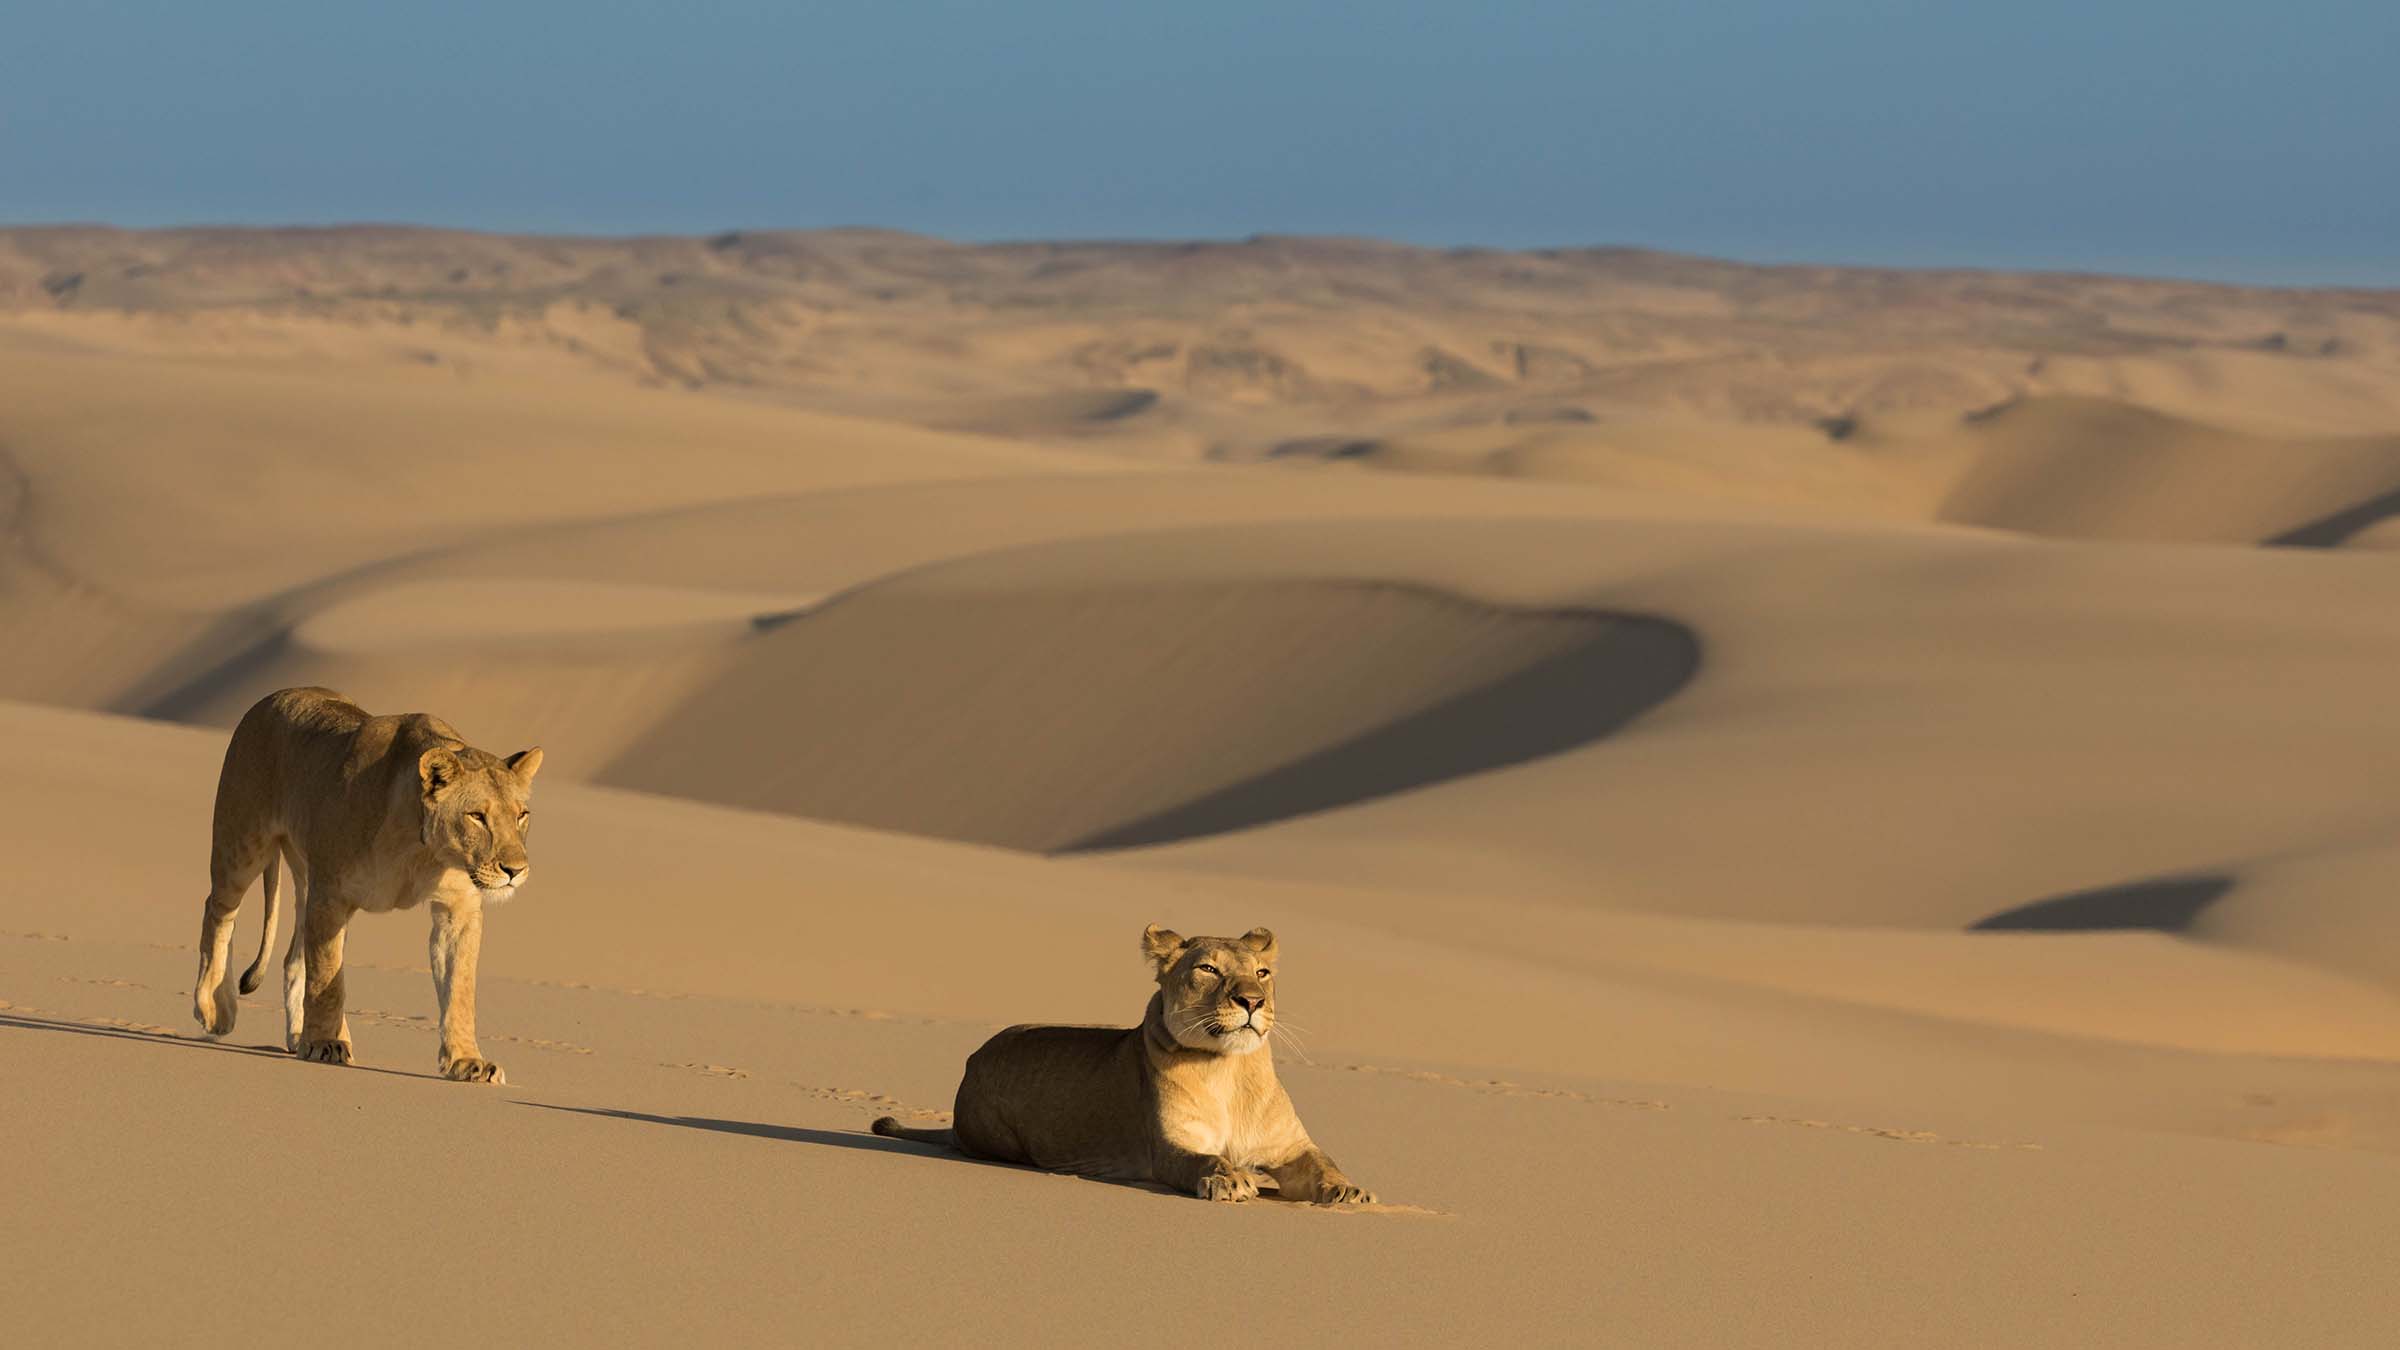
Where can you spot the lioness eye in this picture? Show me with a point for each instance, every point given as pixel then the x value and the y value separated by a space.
pixel 522 817
pixel 1265 974
pixel 1206 969
pixel 477 817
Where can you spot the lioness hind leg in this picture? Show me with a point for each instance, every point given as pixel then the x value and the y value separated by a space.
pixel 214 1004
pixel 295 957
pixel 295 985
pixel 1313 1177
pixel 231 868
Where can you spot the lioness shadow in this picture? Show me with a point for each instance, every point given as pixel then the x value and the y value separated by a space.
pixel 794 1134
pixel 855 1139
pixel 22 1021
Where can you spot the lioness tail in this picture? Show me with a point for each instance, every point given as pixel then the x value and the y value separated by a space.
pixel 890 1128
pixel 266 935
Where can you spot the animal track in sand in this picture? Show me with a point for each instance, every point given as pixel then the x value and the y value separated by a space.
pixel 108 983
pixel 1885 1132
pixel 419 1022
pixel 38 936
pixel 391 1019
pixel 1376 1207
pixel 804 1010
pixel 544 1043
pixel 872 1101
pixel 881 1102
pixel 1501 1087
pixel 863 1098
pixel 147 1028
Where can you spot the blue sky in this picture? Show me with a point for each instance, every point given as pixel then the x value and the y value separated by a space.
pixel 2247 141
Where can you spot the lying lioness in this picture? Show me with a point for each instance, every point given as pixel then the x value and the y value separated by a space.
pixel 1188 1099
pixel 373 814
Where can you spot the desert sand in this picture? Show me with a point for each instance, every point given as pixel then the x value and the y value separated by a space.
pixel 1803 806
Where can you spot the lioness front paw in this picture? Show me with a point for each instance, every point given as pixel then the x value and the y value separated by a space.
pixel 1344 1193
pixel 472 1070
pixel 324 1052
pixel 1228 1186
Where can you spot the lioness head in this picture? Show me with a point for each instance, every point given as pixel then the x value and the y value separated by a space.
pixel 1218 993
pixel 476 813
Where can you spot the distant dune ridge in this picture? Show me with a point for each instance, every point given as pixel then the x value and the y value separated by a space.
pixel 1799 803
pixel 1632 368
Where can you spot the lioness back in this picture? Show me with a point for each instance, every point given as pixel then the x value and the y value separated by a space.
pixel 310 708
pixel 1052 1097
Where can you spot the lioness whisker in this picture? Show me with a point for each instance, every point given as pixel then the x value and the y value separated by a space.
pixel 1297 1048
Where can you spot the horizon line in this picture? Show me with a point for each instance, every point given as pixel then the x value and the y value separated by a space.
pixel 1256 237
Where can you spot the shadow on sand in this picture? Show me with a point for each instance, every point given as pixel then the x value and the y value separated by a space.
pixel 2339 528
pixel 790 1134
pixel 1575 698
pixel 18 1020
pixel 855 1139
pixel 2170 905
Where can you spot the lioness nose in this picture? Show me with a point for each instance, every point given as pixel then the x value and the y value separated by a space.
pixel 1250 1002
pixel 514 871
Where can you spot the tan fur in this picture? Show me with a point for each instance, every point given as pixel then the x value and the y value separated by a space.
pixel 371 814
pixel 1189 1099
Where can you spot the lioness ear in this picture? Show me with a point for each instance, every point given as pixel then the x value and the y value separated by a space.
pixel 525 764
pixel 1161 945
pixel 1259 940
pixel 437 769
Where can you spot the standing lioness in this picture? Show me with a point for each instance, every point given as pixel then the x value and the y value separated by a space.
pixel 1188 1099
pixel 374 814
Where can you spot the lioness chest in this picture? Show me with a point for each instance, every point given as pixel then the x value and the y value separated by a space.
pixel 379 886
pixel 1242 1117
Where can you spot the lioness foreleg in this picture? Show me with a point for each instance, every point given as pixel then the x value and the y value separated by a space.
pixel 324 1030
pixel 456 942
pixel 1205 1175
pixel 1313 1177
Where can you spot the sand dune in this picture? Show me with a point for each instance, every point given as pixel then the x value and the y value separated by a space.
pixel 2100 470
pixel 1119 715
pixel 1800 468
pixel 1182 350
pixel 1800 805
pixel 814 976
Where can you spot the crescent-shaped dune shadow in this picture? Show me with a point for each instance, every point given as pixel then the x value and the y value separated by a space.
pixel 1074 718
pixel 1570 699
pixel 2166 905
pixel 2340 527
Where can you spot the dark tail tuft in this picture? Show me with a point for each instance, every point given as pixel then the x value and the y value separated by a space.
pixel 891 1128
